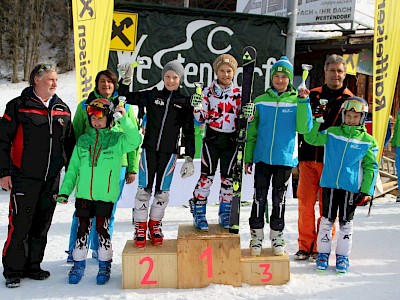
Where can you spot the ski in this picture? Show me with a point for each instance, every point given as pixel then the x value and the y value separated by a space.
pixel 249 62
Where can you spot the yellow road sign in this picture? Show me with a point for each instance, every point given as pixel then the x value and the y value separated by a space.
pixel 351 63
pixel 124 31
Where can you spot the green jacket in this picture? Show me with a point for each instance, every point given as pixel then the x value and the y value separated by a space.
pixel 81 126
pixel 96 162
pixel 396 132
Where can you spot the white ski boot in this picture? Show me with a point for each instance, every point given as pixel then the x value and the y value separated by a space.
pixel 257 236
pixel 277 242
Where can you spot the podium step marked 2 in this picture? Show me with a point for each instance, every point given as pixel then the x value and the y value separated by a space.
pixel 196 259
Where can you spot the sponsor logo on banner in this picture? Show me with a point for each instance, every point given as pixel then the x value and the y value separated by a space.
pixel 124 31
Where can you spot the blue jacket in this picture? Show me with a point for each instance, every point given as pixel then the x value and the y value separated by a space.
pixel 272 136
pixel 350 157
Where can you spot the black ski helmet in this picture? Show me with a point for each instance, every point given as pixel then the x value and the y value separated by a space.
pixel 101 107
pixel 358 105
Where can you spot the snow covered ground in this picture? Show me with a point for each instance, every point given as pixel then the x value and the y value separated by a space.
pixel 375 260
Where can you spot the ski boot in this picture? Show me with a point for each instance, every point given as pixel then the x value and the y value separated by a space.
pixel 140 234
pixel 13 282
pixel 199 215
pixel 257 236
pixel 301 255
pixel 224 214
pixel 277 242
pixel 77 271
pixel 104 272
pixel 70 259
pixel 155 234
pixel 322 261
pixel 342 264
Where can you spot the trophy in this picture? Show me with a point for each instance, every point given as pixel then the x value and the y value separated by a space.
pixel 197 96
pixel 199 87
pixel 138 61
pixel 304 76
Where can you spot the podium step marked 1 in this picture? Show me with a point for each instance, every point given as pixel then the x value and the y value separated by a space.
pixel 196 259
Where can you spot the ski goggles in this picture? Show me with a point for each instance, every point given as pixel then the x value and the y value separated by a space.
pixel 356 105
pixel 96 111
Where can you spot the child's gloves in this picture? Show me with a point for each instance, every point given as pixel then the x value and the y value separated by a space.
pixel 62 199
pixel 126 73
pixel 196 100
pixel 320 120
pixel 362 199
pixel 248 111
pixel 187 169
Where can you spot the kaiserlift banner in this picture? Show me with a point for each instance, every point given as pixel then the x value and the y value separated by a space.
pixel 92 22
pixel 386 65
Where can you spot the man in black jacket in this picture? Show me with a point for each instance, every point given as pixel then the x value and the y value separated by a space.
pixel 36 139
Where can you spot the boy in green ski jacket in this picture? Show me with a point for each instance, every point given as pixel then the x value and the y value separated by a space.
pixel 106 87
pixel 347 180
pixel 272 146
pixel 94 170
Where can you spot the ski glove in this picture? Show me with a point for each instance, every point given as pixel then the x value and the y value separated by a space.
pixel 126 71
pixel 62 199
pixel 248 111
pixel 362 199
pixel 187 169
pixel 196 100
pixel 320 119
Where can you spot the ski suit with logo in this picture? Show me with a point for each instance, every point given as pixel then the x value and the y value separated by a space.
pixel 310 167
pixel 35 143
pixel 272 146
pixel 350 167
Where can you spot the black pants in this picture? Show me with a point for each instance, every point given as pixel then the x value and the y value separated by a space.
pixel 337 199
pixel 263 174
pixel 31 211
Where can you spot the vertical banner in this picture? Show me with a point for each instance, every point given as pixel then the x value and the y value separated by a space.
pixel 92 31
pixel 386 65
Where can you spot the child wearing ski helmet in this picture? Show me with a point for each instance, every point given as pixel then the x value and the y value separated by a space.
pixel 107 87
pixel 94 170
pixel 271 145
pixel 217 107
pixel 167 113
pixel 348 178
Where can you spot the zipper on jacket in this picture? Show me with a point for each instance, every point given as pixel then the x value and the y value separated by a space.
pixel 341 161
pixel 93 161
pixel 163 121
pixel 50 118
pixel 109 181
pixel 273 132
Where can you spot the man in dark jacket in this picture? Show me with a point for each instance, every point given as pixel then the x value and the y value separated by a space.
pixel 326 102
pixel 36 140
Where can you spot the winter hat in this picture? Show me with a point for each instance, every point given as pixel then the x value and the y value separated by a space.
pixel 175 66
pixel 225 59
pixel 284 66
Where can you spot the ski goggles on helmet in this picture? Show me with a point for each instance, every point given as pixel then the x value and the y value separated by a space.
pixel 99 108
pixel 95 111
pixel 357 106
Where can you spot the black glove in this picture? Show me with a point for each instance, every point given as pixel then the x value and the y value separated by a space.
pixel 362 199
pixel 320 110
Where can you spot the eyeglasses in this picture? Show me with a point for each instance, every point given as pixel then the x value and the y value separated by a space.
pixel 95 111
pixel 356 105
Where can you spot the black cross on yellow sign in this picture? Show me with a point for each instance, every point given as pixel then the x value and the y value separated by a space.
pixel 351 63
pixel 124 31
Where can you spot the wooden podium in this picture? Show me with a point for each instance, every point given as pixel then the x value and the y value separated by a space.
pixel 196 259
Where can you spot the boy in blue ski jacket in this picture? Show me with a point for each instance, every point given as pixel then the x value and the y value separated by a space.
pixel 272 145
pixel 348 178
